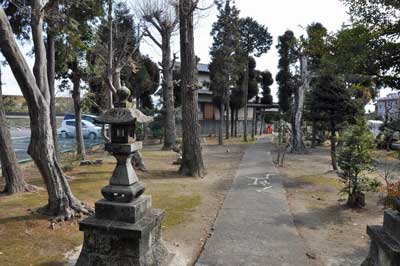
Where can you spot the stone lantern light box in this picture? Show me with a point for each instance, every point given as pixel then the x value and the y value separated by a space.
pixel 125 229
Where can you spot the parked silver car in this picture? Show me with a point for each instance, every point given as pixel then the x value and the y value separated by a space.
pixel 89 130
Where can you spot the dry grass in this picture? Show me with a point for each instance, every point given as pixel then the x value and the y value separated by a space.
pixel 27 238
pixel 333 233
pixel 30 240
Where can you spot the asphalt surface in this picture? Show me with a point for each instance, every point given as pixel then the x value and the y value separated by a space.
pixel 255 226
pixel 21 139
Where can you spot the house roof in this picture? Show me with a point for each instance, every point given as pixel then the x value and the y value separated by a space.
pixel 202 68
pixel 390 96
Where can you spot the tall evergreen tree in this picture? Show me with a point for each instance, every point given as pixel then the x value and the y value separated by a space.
pixel 192 159
pixel 35 88
pixel 125 53
pixel 256 41
pixel 285 78
pixel 316 47
pixel 253 79
pixel 335 105
pixel 144 83
pixel 11 172
pixel 77 38
pixel 381 18
pixel 224 54
pixel 266 81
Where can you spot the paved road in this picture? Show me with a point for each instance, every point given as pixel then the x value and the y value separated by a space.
pixel 254 226
pixel 21 139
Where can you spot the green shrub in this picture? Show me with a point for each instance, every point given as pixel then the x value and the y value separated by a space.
pixel 354 160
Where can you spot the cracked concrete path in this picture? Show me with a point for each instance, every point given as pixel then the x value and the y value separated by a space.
pixel 254 226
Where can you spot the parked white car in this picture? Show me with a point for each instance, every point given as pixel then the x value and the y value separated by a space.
pixel 89 130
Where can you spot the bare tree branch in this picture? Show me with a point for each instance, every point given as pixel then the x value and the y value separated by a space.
pixel 150 35
pixel 174 61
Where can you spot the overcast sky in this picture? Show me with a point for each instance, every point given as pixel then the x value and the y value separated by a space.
pixel 277 15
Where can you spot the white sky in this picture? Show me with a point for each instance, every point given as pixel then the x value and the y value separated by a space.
pixel 277 15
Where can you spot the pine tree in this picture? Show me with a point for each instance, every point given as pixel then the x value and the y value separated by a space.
pixel 224 52
pixel 71 46
pixel 381 19
pixel 256 41
pixel 335 105
pixel 266 81
pixel 285 78
pixel 192 159
pixel 316 47
pixel 34 86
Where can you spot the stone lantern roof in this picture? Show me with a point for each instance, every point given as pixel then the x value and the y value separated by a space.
pixel 121 114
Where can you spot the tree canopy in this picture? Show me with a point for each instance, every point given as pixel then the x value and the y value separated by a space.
pixel 285 77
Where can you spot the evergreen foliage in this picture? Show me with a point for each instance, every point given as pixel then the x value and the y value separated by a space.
pixel 225 51
pixel 144 83
pixel 285 78
pixel 354 160
pixel 382 20
pixel 266 80
pixel 255 38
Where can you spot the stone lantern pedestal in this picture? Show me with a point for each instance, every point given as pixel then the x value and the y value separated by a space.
pixel 385 240
pixel 126 230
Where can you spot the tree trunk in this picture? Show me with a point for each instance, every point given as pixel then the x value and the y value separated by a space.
pixel 110 55
pixel 232 122
pixel 262 124
pixel 253 126
pixel 76 96
pixel 61 202
pixel 221 123
pixel 51 74
pixel 255 123
pixel 168 91
pixel 14 182
pixel 314 134
pixel 192 160
pixel 227 121
pixel 236 122
pixel 245 100
pixel 333 148
pixel 297 144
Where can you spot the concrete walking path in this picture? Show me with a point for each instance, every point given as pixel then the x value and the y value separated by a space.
pixel 254 226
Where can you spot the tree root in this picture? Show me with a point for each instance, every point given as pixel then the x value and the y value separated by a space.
pixel 27 189
pixel 74 211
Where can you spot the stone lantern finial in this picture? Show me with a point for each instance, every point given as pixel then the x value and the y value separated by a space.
pixel 123 94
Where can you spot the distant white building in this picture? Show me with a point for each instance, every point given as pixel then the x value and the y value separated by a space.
pixel 388 107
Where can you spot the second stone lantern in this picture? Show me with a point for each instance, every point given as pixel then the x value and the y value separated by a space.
pixel 125 230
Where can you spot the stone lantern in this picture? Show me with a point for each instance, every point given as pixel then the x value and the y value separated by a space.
pixel 385 239
pixel 126 230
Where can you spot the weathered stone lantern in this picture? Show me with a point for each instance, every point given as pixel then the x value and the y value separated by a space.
pixel 126 230
pixel 385 240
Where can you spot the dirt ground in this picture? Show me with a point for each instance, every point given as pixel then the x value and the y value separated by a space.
pixel 191 205
pixel 334 234
pixel 187 238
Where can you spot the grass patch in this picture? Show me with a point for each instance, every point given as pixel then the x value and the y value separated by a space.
pixel 384 155
pixel 177 207
pixel 320 181
pixel 27 238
